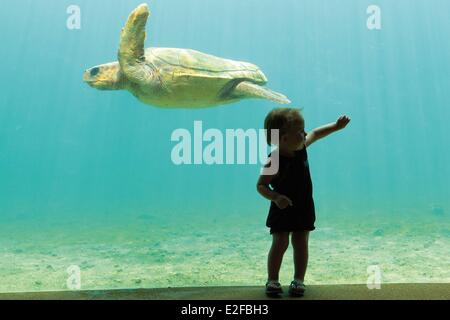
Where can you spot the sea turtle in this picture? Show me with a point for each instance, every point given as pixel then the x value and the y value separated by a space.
pixel 171 78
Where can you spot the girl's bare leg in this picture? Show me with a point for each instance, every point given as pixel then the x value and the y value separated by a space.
pixel 299 241
pixel 280 243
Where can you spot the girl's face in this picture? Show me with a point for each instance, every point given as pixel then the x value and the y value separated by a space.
pixel 295 137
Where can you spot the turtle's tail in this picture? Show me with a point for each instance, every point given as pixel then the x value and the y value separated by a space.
pixel 249 89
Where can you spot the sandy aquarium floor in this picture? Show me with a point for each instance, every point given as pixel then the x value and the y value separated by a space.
pixel 152 251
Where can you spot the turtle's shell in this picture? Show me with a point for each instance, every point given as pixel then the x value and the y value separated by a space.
pixel 192 63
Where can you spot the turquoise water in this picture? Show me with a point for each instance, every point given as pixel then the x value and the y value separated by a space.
pixel 86 177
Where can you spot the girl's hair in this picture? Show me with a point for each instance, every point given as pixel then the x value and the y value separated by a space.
pixel 280 119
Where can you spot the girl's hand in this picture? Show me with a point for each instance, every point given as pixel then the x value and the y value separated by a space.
pixel 342 122
pixel 283 202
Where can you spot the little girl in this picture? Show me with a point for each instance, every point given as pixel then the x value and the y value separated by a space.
pixel 292 206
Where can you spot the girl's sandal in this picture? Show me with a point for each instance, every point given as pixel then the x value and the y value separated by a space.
pixel 297 288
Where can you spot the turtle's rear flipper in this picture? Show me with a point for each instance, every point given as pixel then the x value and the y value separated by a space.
pixel 252 90
pixel 131 49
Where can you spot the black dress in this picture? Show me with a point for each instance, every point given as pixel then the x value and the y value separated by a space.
pixel 293 181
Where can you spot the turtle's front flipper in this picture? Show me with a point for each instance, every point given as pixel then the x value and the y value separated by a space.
pixel 131 49
pixel 252 90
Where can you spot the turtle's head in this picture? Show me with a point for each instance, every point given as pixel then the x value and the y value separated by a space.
pixel 105 77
